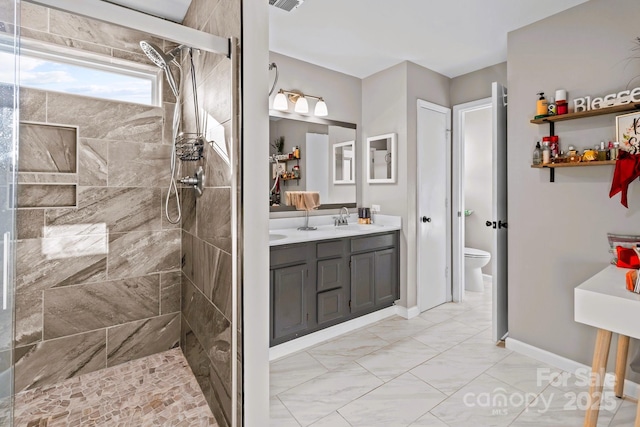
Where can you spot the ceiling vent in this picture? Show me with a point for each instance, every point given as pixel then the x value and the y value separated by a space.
pixel 287 5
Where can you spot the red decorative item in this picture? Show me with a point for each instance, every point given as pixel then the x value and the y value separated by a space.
pixel 627 258
pixel 562 107
pixel 627 169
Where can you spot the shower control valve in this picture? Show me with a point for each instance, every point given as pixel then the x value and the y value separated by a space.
pixel 196 181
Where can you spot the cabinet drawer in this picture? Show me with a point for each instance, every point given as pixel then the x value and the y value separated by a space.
pixel 373 242
pixel 288 255
pixel 329 249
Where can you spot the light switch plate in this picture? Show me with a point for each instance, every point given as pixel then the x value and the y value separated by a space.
pixel 375 208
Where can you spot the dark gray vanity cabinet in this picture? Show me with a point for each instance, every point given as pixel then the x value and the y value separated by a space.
pixel 319 284
pixel 332 282
pixel 293 293
pixel 374 272
pixel 362 282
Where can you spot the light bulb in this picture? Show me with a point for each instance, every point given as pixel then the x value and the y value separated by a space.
pixel 321 108
pixel 280 102
pixel 302 106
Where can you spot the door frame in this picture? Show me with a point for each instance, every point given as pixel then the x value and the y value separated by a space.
pixel 457 193
pixel 420 147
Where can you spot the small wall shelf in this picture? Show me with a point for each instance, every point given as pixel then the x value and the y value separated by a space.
pixel 591 113
pixel 551 120
pixel 552 166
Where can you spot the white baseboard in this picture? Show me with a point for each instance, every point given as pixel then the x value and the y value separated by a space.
pixel 314 338
pixel 560 362
pixel 408 313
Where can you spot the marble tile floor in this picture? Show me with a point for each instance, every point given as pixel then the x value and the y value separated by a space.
pixel 436 370
pixel 158 390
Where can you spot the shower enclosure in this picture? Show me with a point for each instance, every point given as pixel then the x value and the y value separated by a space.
pixel 8 145
pixel 99 269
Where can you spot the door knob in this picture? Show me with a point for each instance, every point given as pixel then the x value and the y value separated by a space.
pixel 491 224
pixel 425 219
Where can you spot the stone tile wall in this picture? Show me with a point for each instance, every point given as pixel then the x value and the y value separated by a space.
pixel 98 268
pixel 207 318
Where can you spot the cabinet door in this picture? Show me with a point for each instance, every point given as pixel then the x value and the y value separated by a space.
pixel 332 305
pixel 362 282
pixel 332 274
pixel 290 295
pixel 386 276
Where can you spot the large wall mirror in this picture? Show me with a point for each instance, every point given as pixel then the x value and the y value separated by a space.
pixel 381 159
pixel 311 154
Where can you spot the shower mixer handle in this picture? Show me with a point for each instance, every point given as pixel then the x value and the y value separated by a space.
pixel 196 181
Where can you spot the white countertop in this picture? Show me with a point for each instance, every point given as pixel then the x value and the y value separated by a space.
pixel 604 302
pixel 284 231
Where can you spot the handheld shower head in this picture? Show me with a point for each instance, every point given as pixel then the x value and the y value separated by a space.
pixel 162 60
pixel 155 54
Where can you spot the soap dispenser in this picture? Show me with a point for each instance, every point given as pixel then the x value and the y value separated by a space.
pixel 537 154
pixel 542 106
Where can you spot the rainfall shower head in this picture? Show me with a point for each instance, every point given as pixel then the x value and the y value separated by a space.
pixel 162 60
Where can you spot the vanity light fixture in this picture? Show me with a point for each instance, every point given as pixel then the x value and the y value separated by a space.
pixel 300 101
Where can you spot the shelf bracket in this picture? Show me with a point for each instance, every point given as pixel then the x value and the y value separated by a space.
pixel 552 175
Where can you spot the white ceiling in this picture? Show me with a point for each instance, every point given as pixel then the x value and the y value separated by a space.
pixel 362 37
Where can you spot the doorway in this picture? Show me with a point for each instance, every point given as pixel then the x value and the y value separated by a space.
pixel 467 122
pixel 434 212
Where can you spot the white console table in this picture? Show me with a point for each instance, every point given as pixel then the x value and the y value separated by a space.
pixel 604 303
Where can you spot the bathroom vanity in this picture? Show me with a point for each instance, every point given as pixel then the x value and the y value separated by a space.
pixel 326 276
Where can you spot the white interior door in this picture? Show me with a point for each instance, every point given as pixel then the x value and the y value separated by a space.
pixel 499 269
pixel 434 219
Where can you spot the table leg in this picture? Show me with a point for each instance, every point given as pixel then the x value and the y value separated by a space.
pixel 621 364
pixel 598 370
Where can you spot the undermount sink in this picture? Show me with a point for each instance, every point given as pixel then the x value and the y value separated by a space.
pixel 273 237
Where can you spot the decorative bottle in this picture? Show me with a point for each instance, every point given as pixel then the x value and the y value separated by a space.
pixel 537 154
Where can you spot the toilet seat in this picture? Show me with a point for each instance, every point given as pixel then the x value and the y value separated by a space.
pixel 476 253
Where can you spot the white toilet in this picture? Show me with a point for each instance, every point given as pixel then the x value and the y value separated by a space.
pixel 474 260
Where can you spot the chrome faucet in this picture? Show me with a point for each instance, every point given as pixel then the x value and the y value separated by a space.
pixel 343 219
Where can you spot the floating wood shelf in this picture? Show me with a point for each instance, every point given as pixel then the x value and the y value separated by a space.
pixel 578 164
pixel 591 113
pixel 552 166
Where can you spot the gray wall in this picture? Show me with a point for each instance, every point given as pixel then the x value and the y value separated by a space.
pixel 557 231
pixel 477 84
pixel 389 105
pixel 478 178
pixel 109 289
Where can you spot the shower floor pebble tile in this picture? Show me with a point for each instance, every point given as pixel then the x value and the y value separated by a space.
pixel 158 390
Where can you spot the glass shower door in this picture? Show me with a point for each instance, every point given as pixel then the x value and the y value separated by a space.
pixel 8 159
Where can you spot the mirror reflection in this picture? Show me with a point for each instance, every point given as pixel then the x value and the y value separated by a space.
pixel 344 162
pixel 381 164
pixel 312 155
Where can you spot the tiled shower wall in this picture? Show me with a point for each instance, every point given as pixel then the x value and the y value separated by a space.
pixel 98 266
pixel 207 322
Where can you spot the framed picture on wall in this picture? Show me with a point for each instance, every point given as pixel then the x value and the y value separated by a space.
pixel 628 132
